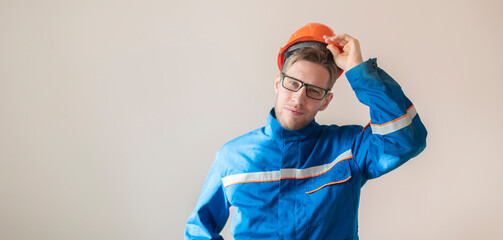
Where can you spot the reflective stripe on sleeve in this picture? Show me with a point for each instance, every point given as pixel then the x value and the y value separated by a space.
pixel 285 173
pixel 396 124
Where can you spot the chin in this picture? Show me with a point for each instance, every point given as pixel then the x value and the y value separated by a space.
pixel 292 125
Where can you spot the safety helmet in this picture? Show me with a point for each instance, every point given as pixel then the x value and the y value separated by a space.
pixel 309 35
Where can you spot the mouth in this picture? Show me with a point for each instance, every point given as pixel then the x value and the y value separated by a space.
pixel 294 111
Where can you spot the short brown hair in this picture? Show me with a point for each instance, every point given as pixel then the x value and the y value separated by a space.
pixel 316 55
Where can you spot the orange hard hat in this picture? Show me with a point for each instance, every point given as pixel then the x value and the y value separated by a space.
pixel 310 33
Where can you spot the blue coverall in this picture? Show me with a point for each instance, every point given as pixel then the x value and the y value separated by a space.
pixel 305 184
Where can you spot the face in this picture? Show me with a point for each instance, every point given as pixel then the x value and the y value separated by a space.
pixel 295 110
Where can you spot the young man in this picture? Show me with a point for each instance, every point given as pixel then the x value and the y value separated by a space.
pixel 293 178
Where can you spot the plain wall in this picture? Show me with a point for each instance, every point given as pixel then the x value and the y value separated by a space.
pixel 111 111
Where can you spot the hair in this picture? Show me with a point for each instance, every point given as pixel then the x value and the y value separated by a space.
pixel 321 56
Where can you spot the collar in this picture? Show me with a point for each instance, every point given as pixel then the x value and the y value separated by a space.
pixel 274 129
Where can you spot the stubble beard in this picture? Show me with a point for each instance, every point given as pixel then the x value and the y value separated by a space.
pixel 294 124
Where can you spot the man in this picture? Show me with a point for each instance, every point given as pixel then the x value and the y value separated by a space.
pixel 293 178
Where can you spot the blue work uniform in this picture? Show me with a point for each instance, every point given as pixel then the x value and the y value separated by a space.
pixel 305 184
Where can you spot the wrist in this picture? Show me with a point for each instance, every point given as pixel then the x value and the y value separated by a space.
pixel 352 65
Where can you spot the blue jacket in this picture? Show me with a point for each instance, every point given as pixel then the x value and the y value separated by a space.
pixel 305 184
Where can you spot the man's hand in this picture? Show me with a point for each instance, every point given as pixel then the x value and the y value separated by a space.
pixel 351 55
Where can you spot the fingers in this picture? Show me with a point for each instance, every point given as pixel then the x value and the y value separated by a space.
pixel 341 39
pixel 346 50
pixel 334 49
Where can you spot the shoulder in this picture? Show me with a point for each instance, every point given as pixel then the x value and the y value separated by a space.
pixel 341 135
pixel 340 131
pixel 244 141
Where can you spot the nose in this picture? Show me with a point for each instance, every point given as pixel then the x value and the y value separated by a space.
pixel 300 96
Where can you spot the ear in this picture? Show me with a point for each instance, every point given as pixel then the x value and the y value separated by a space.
pixel 326 100
pixel 277 82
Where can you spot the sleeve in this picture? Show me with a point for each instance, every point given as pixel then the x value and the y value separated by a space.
pixel 396 133
pixel 212 208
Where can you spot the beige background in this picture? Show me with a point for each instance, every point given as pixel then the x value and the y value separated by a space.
pixel 111 111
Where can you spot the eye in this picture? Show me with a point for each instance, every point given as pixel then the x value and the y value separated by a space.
pixel 315 92
pixel 293 83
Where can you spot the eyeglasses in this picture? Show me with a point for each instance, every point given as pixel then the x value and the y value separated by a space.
pixel 295 85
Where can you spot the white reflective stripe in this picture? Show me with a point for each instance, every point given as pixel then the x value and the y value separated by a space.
pixel 251 177
pixel 313 171
pixel 285 173
pixel 396 125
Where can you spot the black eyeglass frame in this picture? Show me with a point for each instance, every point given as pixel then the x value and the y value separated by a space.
pixel 283 75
